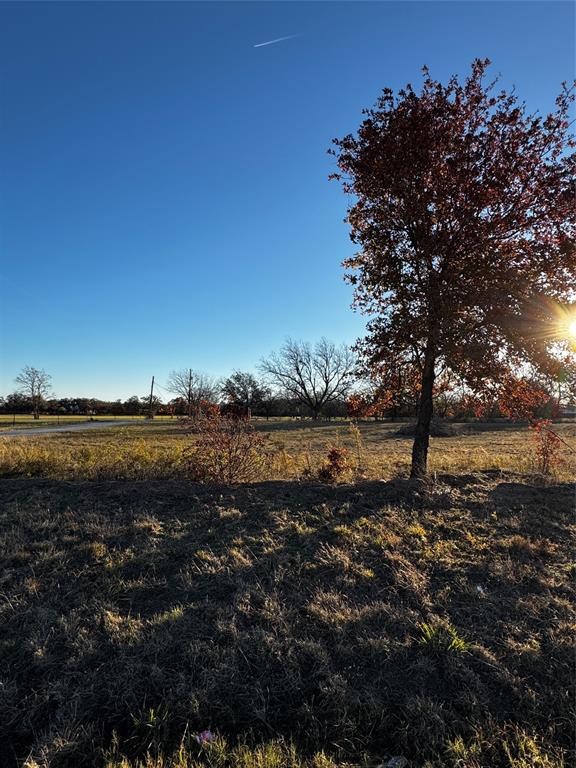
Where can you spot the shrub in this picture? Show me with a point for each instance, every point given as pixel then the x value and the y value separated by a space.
pixel 336 465
pixel 226 450
pixel 547 447
pixel 200 412
pixel 356 436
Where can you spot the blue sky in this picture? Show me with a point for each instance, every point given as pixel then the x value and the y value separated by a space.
pixel 164 200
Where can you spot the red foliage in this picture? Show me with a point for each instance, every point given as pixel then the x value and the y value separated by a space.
pixel 519 399
pixel 235 410
pixel 463 211
pixel 368 405
pixel 225 449
pixel 547 447
pixel 206 409
pixel 335 466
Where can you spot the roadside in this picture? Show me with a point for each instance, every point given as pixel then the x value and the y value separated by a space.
pixel 75 427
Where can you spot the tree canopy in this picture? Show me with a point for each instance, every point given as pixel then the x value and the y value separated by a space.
pixel 464 213
pixel 244 391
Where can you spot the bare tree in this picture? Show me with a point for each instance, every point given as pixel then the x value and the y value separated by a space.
pixel 314 376
pixel 34 383
pixel 192 386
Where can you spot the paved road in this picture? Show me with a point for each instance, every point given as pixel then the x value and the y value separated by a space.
pixel 83 426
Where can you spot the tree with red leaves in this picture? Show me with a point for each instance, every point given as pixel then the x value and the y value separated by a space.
pixel 368 404
pixel 464 214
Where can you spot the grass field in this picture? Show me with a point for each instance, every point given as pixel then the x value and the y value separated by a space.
pixel 154 450
pixel 294 611
pixel 307 625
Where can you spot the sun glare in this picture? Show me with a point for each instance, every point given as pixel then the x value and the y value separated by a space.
pixel 572 329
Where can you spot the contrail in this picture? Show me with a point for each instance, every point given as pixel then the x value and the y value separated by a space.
pixel 277 40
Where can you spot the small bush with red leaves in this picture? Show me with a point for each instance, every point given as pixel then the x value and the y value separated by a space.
pixel 200 412
pixel 547 447
pixel 226 450
pixel 336 466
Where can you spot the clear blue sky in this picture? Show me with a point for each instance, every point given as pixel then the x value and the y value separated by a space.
pixel 164 194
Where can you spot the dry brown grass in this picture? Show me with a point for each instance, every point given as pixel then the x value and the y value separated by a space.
pixel 135 614
pixel 296 450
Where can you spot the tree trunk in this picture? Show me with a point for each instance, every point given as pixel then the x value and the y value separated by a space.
pixel 425 412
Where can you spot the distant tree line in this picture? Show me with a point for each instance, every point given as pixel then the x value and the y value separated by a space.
pixel 298 381
pixel 271 405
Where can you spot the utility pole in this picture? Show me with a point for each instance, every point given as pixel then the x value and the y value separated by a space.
pixel 189 392
pixel 150 413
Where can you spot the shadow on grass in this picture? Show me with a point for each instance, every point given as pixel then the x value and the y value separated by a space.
pixel 283 609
